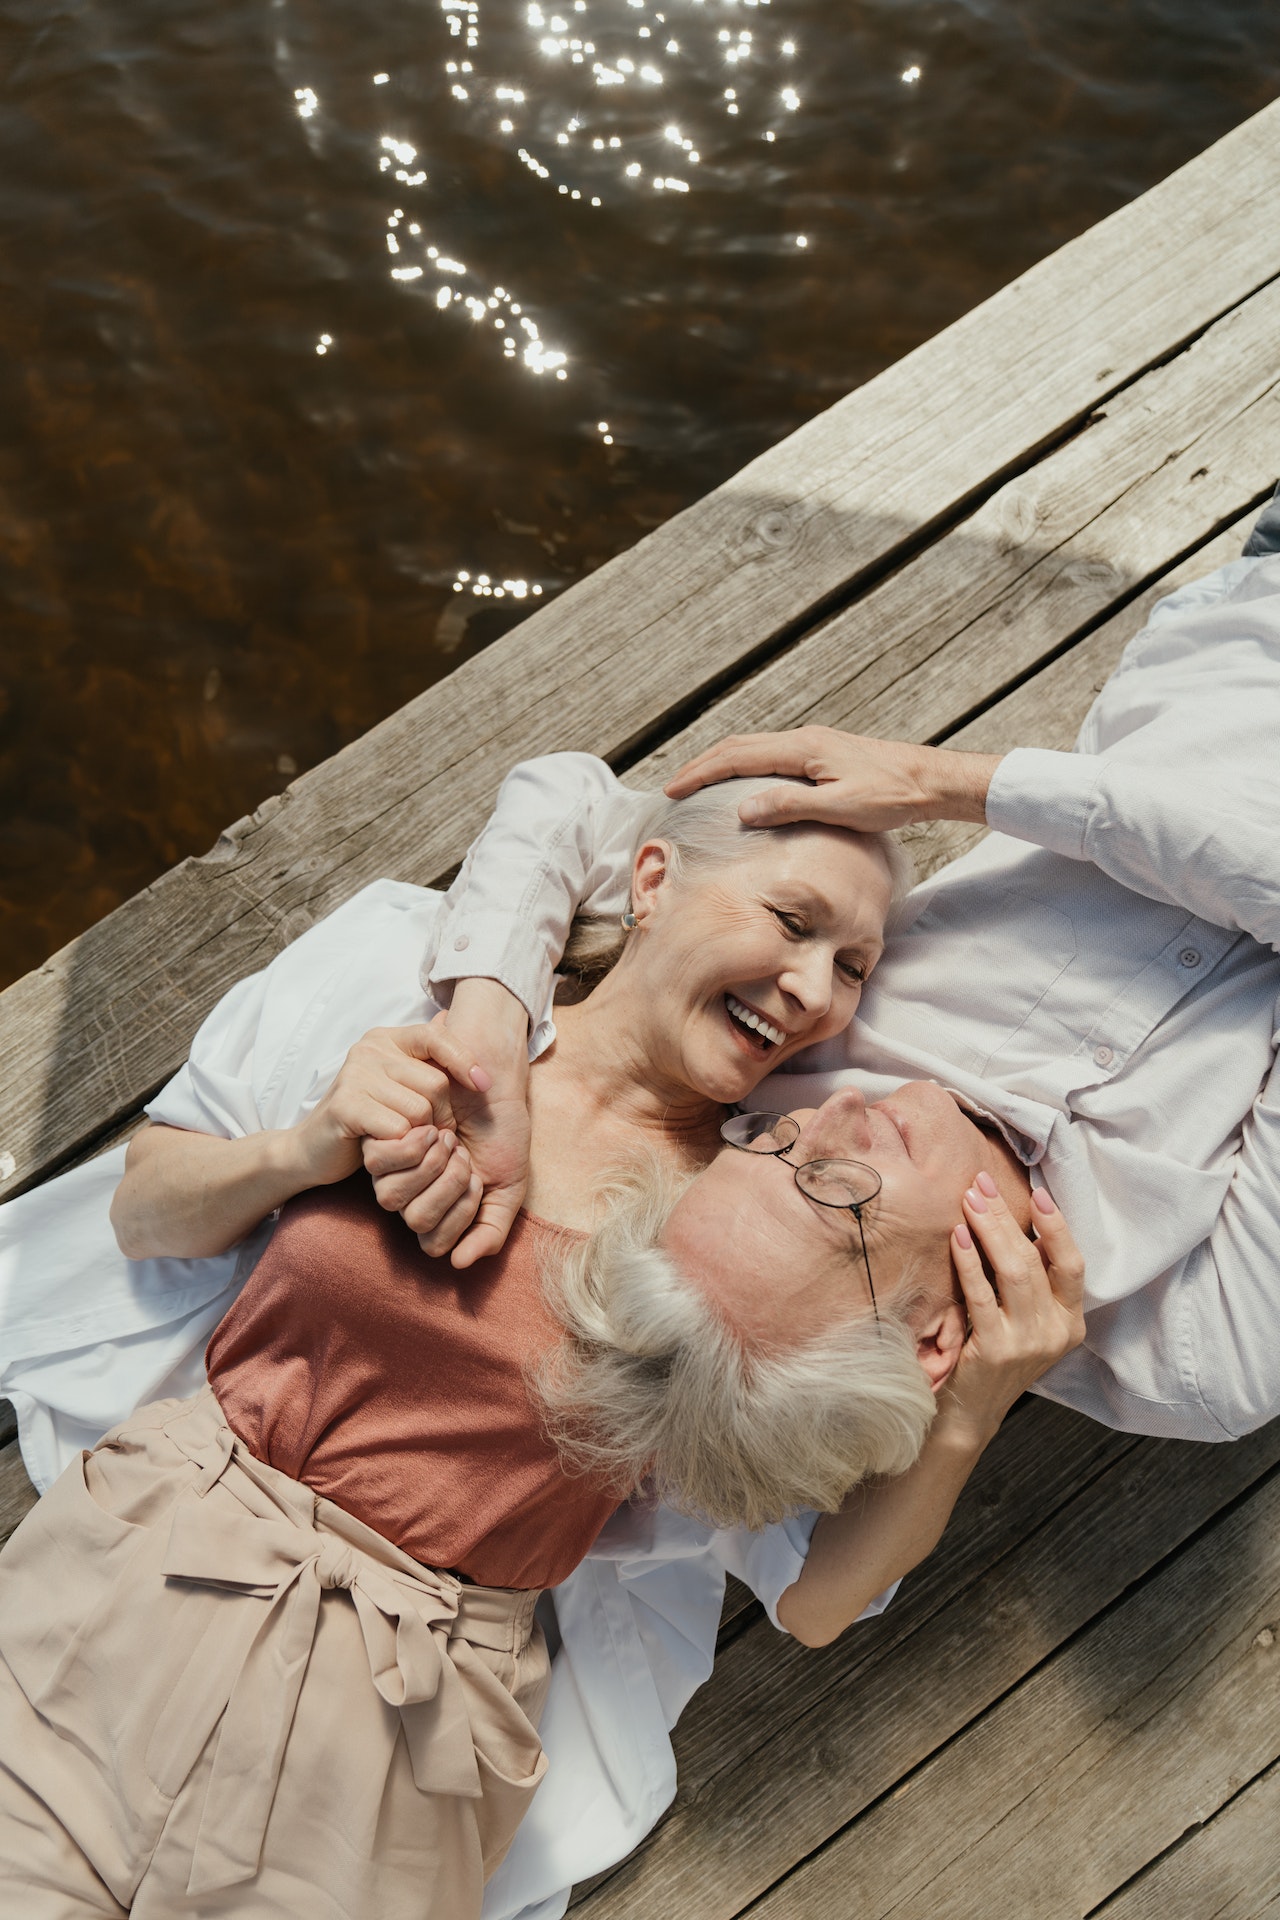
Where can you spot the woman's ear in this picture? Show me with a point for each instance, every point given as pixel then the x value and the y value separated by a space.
pixel 940 1337
pixel 650 874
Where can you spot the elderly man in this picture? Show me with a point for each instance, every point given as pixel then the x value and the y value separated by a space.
pixel 1092 992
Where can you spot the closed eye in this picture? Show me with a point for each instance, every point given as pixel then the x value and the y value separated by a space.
pixel 854 970
pixel 790 922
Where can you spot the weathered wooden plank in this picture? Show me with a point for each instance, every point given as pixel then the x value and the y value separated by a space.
pixel 1038 1464
pixel 857 1744
pixel 1158 471
pixel 88 1035
pixel 1225 1869
pixel 1039 1461
pixel 1155 1716
pixel 1044 711
pixel 17 1495
pixel 1049 709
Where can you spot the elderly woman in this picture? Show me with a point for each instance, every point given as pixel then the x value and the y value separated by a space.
pixel 271 1649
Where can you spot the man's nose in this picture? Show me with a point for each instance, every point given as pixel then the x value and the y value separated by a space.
pixel 839 1125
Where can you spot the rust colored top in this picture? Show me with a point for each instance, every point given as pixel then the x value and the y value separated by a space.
pixel 395 1386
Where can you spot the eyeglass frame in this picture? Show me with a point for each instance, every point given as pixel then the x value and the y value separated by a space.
pixel 854 1207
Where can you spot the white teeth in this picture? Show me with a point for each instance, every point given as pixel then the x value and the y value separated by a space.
pixel 768 1032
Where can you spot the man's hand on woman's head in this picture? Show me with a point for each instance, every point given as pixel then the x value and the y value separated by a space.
pixel 457 1178
pixel 1022 1325
pixel 866 785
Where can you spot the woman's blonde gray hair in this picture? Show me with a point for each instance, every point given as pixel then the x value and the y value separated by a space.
pixel 702 829
pixel 652 1386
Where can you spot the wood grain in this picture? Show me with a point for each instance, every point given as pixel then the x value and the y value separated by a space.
pixel 802 1785
pixel 1038 1465
pixel 87 1037
pixel 1157 1715
pixel 1157 473
pixel 1049 709
pixel 1223 1868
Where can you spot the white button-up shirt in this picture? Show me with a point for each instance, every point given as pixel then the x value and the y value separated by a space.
pixel 1099 975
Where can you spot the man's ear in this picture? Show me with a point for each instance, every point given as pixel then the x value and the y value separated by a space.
pixel 940 1338
pixel 650 874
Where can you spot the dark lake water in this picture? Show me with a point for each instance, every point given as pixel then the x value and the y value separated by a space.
pixel 333 336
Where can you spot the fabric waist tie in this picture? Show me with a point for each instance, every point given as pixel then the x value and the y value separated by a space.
pixel 407 1614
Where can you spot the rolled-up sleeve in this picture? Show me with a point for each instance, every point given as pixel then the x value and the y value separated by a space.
pixel 558 842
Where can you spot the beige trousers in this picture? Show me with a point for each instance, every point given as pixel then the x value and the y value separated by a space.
pixel 222 1696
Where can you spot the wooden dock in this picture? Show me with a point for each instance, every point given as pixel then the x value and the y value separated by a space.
pixel 1074 1708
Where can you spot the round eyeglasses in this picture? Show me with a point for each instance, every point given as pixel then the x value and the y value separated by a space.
pixel 847 1185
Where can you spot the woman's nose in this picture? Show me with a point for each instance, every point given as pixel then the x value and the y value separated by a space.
pixel 808 981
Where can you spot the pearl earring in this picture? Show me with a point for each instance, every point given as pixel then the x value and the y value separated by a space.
pixel 628 920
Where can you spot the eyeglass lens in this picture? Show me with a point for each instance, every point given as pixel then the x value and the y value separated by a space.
pixel 760 1132
pixel 846 1184
pixel 838 1183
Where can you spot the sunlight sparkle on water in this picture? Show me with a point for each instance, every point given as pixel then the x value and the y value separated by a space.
pixel 580 172
pixel 485 588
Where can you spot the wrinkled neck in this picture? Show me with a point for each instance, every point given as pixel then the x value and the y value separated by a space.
pixel 615 1067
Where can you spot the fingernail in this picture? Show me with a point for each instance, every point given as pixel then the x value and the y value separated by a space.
pixel 976 1200
pixel 429 1136
pixel 988 1185
pixel 1043 1201
pixel 481 1080
pixel 964 1238
pixel 749 812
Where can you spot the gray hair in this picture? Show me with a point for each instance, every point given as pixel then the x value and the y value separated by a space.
pixel 651 1385
pixel 703 830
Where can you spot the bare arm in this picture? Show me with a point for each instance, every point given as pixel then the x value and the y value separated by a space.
pixel 886 1529
pixel 191 1195
pixel 194 1194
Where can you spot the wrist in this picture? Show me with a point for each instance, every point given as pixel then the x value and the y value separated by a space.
pixel 954 785
pixel 493 1022
pixel 963 1433
pixel 287 1158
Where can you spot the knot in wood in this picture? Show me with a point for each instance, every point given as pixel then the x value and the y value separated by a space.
pixel 1020 515
pixel 770 532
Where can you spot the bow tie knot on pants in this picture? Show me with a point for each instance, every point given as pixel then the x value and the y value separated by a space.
pixel 255 1705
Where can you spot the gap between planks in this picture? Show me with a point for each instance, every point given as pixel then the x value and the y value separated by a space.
pixel 598 668
pixel 857 1754
pixel 1099 1761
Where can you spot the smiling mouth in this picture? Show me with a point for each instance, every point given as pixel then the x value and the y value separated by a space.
pixel 761 1033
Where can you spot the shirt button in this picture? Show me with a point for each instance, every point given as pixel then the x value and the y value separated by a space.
pixel 1189 957
pixel 461 944
pixel 1104 1056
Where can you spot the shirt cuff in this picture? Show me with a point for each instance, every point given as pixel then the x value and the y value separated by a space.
pixel 1044 797
pixel 485 946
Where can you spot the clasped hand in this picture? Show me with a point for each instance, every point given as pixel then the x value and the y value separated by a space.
pixel 445 1141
